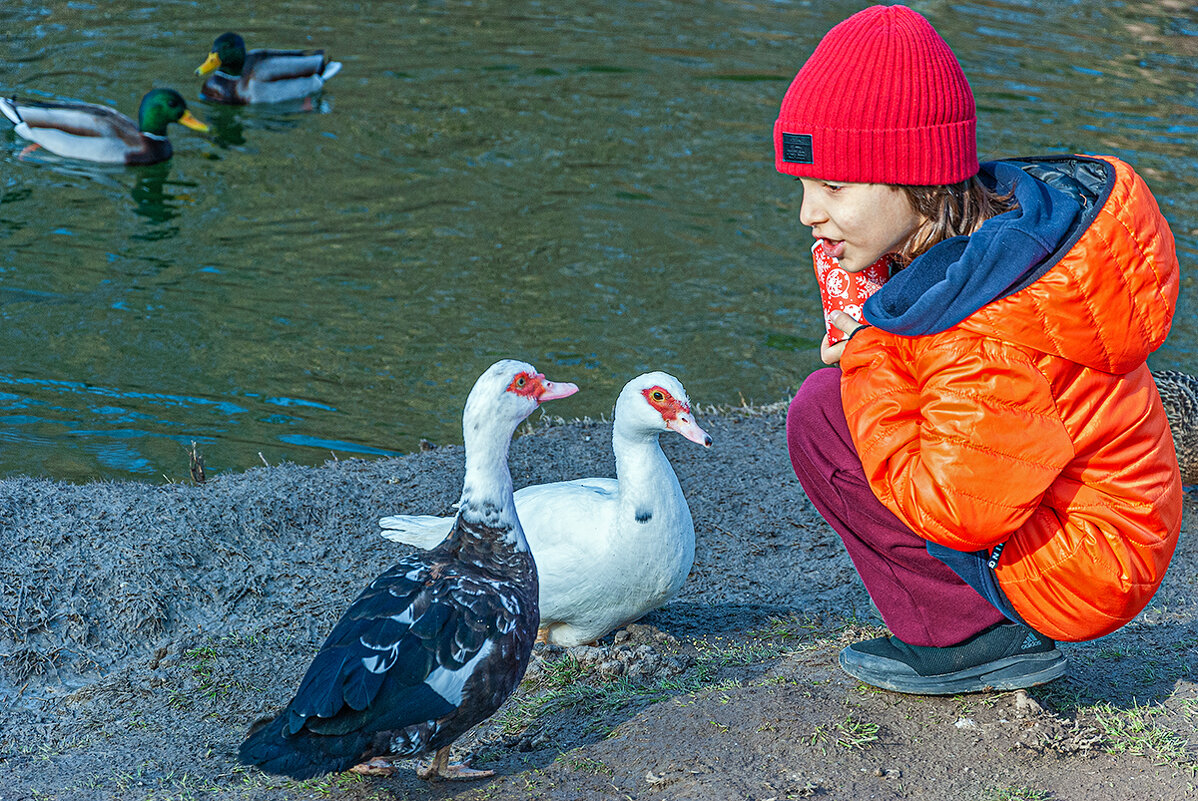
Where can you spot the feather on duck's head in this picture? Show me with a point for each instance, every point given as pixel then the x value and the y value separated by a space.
pixel 656 402
pixel 160 107
pixel 227 55
pixel 510 390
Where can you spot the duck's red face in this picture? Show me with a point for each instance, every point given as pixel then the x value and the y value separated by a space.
pixel 536 387
pixel 666 404
pixel 676 414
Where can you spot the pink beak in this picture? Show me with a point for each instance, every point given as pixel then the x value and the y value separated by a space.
pixel 555 390
pixel 685 425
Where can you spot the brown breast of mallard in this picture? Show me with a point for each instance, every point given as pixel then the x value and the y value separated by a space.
pixel 1179 394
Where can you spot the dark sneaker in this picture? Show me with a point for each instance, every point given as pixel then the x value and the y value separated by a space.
pixel 1007 656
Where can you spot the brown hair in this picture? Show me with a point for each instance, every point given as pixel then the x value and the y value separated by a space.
pixel 947 211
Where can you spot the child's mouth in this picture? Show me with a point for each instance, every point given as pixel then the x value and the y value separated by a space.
pixel 834 247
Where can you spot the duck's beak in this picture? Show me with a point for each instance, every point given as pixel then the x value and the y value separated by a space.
pixel 211 63
pixel 191 122
pixel 685 425
pixel 555 390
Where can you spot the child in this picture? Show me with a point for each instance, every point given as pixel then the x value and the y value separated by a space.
pixel 993 450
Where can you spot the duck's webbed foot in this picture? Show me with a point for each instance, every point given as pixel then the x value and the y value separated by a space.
pixel 379 766
pixel 440 768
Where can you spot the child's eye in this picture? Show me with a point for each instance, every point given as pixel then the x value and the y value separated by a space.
pixel 833 187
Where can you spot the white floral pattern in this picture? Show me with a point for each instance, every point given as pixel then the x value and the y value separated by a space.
pixel 841 290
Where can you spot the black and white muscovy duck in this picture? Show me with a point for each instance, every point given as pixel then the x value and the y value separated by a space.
pixel 608 551
pixel 438 642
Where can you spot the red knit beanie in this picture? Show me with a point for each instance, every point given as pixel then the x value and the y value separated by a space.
pixel 881 100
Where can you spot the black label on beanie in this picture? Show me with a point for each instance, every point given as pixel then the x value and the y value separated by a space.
pixel 796 148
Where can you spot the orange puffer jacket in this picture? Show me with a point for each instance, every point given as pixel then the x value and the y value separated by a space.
pixel 1034 422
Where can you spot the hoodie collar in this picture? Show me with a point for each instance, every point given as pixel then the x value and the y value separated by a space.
pixel 958 276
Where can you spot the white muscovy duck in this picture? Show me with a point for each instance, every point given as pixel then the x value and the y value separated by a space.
pixel 438 642
pixel 608 551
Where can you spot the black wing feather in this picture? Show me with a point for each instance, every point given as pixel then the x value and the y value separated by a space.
pixel 430 624
pixel 410 703
pixel 320 688
pixel 423 615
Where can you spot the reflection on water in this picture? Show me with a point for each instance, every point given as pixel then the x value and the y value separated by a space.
pixel 227 128
pixel 159 198
pixel 587 187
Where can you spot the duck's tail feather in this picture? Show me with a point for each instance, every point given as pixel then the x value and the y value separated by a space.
pixel 303 755
pixel 422 531
pixel 330 69
pixel 8 105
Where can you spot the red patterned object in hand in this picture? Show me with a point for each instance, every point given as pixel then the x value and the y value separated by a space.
pixel 843 291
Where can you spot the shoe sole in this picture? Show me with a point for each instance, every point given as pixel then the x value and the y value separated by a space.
pixel 1010 673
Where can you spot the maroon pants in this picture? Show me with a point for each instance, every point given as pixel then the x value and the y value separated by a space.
pixel 921 599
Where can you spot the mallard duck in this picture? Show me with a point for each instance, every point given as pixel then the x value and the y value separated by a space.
pixel 99 133
pixel 437 643
pixel 608 550
pixel 262 76
pixel 1179 394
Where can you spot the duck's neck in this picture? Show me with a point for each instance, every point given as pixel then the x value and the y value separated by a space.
pixel 487 501
pixel 153 126
pixel 642 468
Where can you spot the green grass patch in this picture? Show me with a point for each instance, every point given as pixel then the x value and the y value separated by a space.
pixel 849 733
pixel 1015 794
pixel 585 764
pixel 1139 731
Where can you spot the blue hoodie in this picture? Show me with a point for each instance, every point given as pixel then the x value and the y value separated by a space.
pixel 960 275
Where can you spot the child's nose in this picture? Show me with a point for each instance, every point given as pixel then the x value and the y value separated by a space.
pixel 810 212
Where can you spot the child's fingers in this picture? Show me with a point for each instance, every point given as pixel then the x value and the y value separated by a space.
pixel 830 354
pixel 845 322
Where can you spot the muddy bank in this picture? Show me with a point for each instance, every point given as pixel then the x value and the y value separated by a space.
pixel 143 627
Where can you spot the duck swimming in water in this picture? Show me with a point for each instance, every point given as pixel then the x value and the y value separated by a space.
pixel 238 77
pixel 97 133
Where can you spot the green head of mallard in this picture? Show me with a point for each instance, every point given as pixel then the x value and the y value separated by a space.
pixel 228 55
pixel 161 107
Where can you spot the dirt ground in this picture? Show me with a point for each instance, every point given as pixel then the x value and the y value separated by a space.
pixel 143 627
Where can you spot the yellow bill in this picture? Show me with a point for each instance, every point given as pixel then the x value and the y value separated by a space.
pixel 191 122
pixel 211 63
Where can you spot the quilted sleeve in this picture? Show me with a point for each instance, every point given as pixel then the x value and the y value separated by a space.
pixel 959 435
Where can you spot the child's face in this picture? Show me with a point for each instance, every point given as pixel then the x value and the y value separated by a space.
pixel 859 223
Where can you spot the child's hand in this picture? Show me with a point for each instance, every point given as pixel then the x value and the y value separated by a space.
pixel 830 354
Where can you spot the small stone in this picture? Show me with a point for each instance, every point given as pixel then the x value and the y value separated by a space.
pixel 1026 706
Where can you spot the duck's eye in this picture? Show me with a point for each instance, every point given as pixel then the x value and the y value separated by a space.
pixel 658 395
pixel 526 384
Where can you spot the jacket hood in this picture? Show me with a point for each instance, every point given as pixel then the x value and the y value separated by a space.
pixel 1084 268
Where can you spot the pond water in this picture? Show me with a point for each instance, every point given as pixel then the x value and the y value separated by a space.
pixel 586 185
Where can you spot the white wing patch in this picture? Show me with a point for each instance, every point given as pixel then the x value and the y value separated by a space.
pixel 388 653
pixel 381 662
pixel 448 683
pixel 510 605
